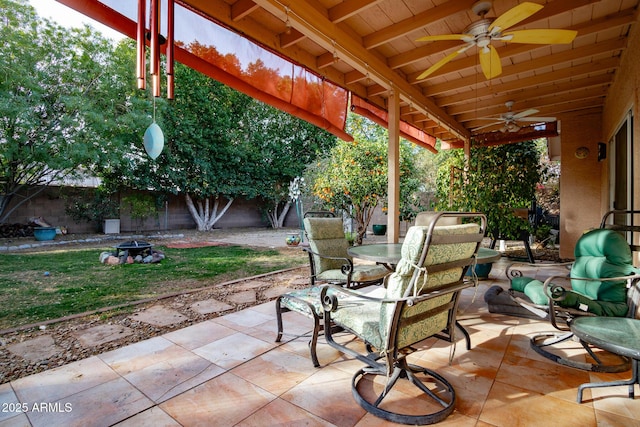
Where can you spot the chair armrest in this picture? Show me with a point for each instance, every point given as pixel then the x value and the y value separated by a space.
pixel 330 302
pixel 513 271
pixel 347 267
pixel 557 293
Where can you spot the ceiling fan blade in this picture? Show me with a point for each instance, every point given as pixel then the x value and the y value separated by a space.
pixel 490 62
pixel 442 62
pixel 514 15
pixel 538 119
pixel 540 36
pixel 495 119
pixel 486 126
pixel 525 113
pixel 463 37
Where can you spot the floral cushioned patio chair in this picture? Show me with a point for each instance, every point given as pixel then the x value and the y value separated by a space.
pixel 329 262
pixel 420 302
pixel 603 282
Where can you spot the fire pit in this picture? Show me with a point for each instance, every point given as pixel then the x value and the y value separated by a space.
pixel 134 248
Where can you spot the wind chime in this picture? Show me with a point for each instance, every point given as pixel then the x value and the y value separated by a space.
pixel 153 136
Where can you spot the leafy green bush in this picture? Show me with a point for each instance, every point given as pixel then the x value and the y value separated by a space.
pixel 498 180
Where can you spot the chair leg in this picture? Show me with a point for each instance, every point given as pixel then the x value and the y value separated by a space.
pixel 635 379
pixel 279 318
pixel 548 339
pixel 314 333
pixel 440 391
pixel 467 338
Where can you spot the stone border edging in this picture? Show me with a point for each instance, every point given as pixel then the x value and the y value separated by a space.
pixel 139 302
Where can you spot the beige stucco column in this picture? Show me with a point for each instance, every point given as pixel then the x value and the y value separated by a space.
pixel 393 198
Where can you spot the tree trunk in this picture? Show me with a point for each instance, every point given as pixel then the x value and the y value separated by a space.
pixel 277 220
pixel 362 215
pixel 201 213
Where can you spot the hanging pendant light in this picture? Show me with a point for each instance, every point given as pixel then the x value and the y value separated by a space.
pixel 153 140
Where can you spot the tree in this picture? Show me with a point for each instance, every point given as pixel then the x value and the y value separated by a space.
pixel 219 145
pixel 54 103
pixel 282 145
pixel 352 178
pixel 498 180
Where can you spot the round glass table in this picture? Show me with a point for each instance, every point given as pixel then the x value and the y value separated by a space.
pixel 619 335
pixel 389 254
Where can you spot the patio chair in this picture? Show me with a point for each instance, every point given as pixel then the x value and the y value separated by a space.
pixel 603 282
pixel 420 301
pixel 329 262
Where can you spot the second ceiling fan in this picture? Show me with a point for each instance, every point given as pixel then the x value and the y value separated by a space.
pixel 509 120
pixel 486 30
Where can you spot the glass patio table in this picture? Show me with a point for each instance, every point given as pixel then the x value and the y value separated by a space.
pixel 388 254
pixel 619 335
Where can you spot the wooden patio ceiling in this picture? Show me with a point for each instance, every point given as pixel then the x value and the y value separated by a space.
pixel 369 47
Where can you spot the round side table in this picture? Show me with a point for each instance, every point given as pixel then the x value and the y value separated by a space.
pixel 619 335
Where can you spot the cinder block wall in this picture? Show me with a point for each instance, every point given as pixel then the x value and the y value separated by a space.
pixel 50 203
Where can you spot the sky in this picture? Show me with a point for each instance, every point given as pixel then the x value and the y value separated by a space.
pixel 68 17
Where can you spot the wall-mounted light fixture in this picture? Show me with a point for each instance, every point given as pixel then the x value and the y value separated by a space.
pixel 602 151
pixel 582 152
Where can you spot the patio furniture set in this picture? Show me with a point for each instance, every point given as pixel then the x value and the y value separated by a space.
pixel 411 293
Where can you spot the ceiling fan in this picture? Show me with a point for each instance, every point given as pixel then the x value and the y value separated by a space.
pixel 509 120
pixel 484 31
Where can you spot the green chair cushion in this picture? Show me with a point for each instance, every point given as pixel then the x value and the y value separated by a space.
pixel 599 253
pixel 298 300
pixel 326 237
pixel 602 253
pixel 360 274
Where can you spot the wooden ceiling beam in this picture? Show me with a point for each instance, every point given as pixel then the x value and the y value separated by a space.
pixel 553 90
pixel 549 109
pixel 416 22
pixel 290 38
pixel 467 103
pixel 349 8
pixel 353 77
pixel 547 78
pixel 325 60
pixel 242 8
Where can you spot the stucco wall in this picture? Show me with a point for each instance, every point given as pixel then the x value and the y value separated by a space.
pixel 584 186
pixel 580 186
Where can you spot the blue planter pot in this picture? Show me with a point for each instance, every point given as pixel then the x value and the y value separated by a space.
pixel 482 270
pixel 379 229
pixel 44 233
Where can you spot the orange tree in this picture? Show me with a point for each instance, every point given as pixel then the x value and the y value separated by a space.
pixel 352 177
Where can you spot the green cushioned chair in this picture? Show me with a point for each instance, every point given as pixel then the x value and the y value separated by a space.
pixel 600 277
pixel 329 262
pixel 420 301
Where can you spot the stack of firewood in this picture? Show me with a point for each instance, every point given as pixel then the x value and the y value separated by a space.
pixel 16 230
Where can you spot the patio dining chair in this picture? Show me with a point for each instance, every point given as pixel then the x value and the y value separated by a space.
pixel 602 282
pixel 329 263
pixel 420 301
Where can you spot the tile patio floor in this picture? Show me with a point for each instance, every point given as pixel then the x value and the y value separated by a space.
pixel 229 372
